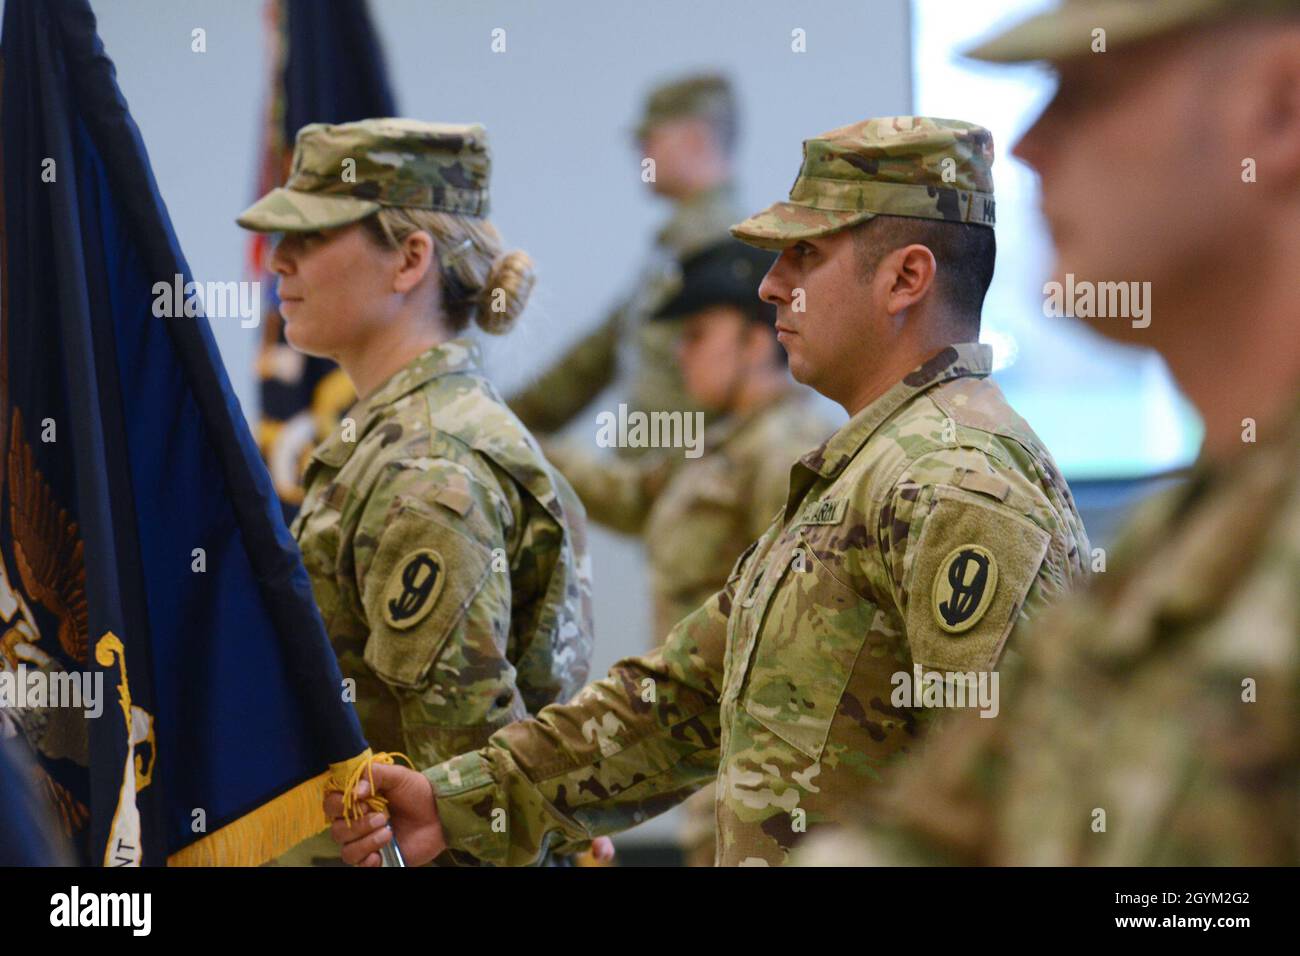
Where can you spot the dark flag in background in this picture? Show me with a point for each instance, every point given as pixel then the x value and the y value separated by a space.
pixel 29 836
pixel 141 544
pixel 326 67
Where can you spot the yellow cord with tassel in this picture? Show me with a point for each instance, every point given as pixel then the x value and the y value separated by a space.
pixel 353 809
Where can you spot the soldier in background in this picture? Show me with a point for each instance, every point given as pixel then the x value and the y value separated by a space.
pixel 697 516
pixel 914 539
pixel 447 557
pixel 689 131
pixel 1157 717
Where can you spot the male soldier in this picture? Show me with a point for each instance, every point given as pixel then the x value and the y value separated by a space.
pixel 697 516
pixel 1157 717
pixel 689 132
pixel 918 534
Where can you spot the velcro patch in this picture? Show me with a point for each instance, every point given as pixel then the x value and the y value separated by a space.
pixel 455 494
pixel 963 588
pixel 413 589
pixel 964 601
pixel 990 485
pixel 826 511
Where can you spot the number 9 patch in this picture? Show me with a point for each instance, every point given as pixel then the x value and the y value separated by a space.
pixel 963 588
pixel 412 589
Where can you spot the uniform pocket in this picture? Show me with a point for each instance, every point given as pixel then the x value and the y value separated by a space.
pixel 424 575
pixel 812 628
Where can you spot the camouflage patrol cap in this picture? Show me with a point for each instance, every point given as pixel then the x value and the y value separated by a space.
pixel 913 166
pixel 1067 30
pixel 705 94
pixel 343 173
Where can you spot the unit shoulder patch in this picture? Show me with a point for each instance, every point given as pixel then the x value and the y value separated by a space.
pixel 964 585
pixel 413 588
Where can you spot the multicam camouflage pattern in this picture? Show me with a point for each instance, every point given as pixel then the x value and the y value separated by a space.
pixel 438 466
pixel 706 94
pixel 342 173
pixel 780 684
pixel 912 166
pixel 1067 31
pixel 627 340
pixel 1167 696
pixel 696 517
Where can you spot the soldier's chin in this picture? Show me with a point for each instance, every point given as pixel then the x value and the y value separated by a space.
pixel 1080 263
pixel 799 370
pixel 300 341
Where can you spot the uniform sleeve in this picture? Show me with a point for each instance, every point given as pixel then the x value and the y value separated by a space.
pixel 628 747
pixel 617 492
pixel 550 601
pixel 426 552
pixel 568 386
pixel 964 558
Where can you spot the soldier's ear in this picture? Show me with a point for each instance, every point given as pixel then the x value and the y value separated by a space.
pixel 416 259
pixel 912 271
pixel 1278 124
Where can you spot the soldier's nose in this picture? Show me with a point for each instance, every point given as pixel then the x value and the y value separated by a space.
pixel 1035 145
pixel 774 289
pixel 279 263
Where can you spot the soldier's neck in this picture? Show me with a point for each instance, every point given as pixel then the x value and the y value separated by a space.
pixel 1245 395
pixel 379 359
pixel 1236 351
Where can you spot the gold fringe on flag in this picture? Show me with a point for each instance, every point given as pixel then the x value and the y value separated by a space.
pixel 277 825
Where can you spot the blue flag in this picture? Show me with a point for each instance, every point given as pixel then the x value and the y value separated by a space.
pixel 30 836
pixel 161 651
pixel 327 67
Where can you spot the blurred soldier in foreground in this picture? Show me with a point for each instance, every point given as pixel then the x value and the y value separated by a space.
pixel 1157 717
pixel 689 131
pixel 912 542
pixel 697 516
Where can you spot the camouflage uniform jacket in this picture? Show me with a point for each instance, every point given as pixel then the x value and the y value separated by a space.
pixel 698 515
pixel 1156 718
pixel 781 683
pixel 448 559
pixel 627 337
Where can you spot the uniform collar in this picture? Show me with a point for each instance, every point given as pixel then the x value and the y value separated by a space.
pixel 700 220
pixel 451 357
pixel 955 361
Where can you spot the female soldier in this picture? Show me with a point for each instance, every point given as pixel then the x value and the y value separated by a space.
pixel 447 557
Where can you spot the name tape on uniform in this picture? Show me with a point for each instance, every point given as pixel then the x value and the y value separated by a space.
pixel 826 511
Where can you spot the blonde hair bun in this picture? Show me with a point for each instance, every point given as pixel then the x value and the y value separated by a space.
pixel 503 297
